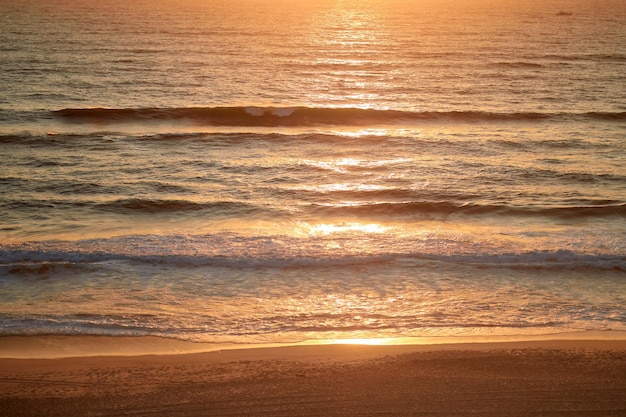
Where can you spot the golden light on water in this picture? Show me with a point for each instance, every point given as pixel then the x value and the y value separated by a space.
pixel 331 228
pixel 343 165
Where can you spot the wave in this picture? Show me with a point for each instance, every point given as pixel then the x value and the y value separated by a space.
pixel 437 209
pixel 356 205
pixel 610 57
pixel 231 250
pixel 140 205
pixel 307 116
pixel 607 115
pixel 517 64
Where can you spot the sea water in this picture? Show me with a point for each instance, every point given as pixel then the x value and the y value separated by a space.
pixel 277 172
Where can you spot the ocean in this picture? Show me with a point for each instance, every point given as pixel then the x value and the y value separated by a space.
pixel 259 171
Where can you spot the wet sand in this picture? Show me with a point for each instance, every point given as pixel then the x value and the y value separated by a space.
pixel 546 378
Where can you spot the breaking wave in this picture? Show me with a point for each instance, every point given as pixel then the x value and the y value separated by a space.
pixel 233 250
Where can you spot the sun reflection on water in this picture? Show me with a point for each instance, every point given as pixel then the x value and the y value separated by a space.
pixel 353 227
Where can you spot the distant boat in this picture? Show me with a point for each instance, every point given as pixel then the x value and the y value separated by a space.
pixel 562 13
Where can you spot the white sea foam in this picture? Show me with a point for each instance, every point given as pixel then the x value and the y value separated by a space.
pixel 255 111
pixel 283 112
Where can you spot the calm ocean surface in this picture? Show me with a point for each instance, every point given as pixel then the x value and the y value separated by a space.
pixel 259 171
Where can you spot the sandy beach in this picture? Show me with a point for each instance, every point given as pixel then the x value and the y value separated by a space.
pixel 538 378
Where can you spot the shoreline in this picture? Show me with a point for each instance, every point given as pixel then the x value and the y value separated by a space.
pixel 79 346
pixel 549 378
